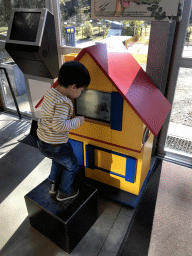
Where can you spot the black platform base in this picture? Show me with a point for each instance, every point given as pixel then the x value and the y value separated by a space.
pixel 64 223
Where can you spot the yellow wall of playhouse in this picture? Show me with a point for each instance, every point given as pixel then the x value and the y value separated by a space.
pixel 132 126
pixel 146 152
pixel 99 81
pixel 127 142
pixel 132 129
pixel 111 162
pixel 114 163
pixel 117 164
pixel 70 56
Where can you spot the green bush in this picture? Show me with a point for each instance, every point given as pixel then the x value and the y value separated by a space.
pixel 77 31
pixel 87 29
pixel 106 30
pixel 134 26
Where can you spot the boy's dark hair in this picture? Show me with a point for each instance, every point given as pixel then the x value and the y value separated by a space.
pixel 73 72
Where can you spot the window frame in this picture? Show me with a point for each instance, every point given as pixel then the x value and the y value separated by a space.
pixel 177 62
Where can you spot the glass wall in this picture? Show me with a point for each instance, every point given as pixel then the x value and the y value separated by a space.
pixel 79 30
pixel 179 139
pixel 187 50
pixel 175 141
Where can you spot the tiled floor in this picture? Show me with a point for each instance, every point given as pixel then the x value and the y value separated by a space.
pixel 172 226
pixel 22 168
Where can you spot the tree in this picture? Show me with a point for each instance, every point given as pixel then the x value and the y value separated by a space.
pixel 3 22
pixel 132 28
pixel 83 11
pixel 7 10
pixel 87 29
pixel 7 5
pixel 29 4
pixel 63 10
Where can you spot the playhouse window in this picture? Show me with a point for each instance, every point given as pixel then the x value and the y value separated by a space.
pixel 94 105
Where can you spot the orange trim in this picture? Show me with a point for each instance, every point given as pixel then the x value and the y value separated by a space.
pixel 109 143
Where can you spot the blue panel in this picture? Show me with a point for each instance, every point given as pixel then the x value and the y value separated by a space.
pixel 90 161
pixel 78 150
pixel 130 169
pixel 116 111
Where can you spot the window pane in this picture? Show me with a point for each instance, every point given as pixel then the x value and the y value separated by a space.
pixel 187 51
pixel 179 138
pixel 79 30
pixel 5 11
pixel 18 85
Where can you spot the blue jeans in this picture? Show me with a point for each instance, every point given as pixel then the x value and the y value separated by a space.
pixel 64 164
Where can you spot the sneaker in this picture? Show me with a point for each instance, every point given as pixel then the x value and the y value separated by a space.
pixel 62 196
pixel 53 188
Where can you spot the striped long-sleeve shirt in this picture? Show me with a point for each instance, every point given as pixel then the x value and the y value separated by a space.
pixel 55 122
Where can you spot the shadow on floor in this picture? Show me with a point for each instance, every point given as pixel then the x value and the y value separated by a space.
pixel 12 171
pixel 12 129
pixel 137 239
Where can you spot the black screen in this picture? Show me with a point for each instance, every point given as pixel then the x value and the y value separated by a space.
pixel 94 104
pixel 25 26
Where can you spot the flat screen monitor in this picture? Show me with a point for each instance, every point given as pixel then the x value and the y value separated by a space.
pixel 94 105
pixel 31 42
pixel 25 26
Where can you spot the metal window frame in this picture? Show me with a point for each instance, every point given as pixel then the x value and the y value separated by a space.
pixel 53 6
pixel 177 62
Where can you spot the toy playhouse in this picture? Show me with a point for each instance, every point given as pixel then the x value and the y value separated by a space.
pixel 123 112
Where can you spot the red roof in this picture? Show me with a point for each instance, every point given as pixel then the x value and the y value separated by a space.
pixel 133 83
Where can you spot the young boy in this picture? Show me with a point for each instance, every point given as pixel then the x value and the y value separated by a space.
pixel 55 124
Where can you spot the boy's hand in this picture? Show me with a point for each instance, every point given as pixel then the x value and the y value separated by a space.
pixel 82 119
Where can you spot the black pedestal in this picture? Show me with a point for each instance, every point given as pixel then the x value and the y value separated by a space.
pixel 64 223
